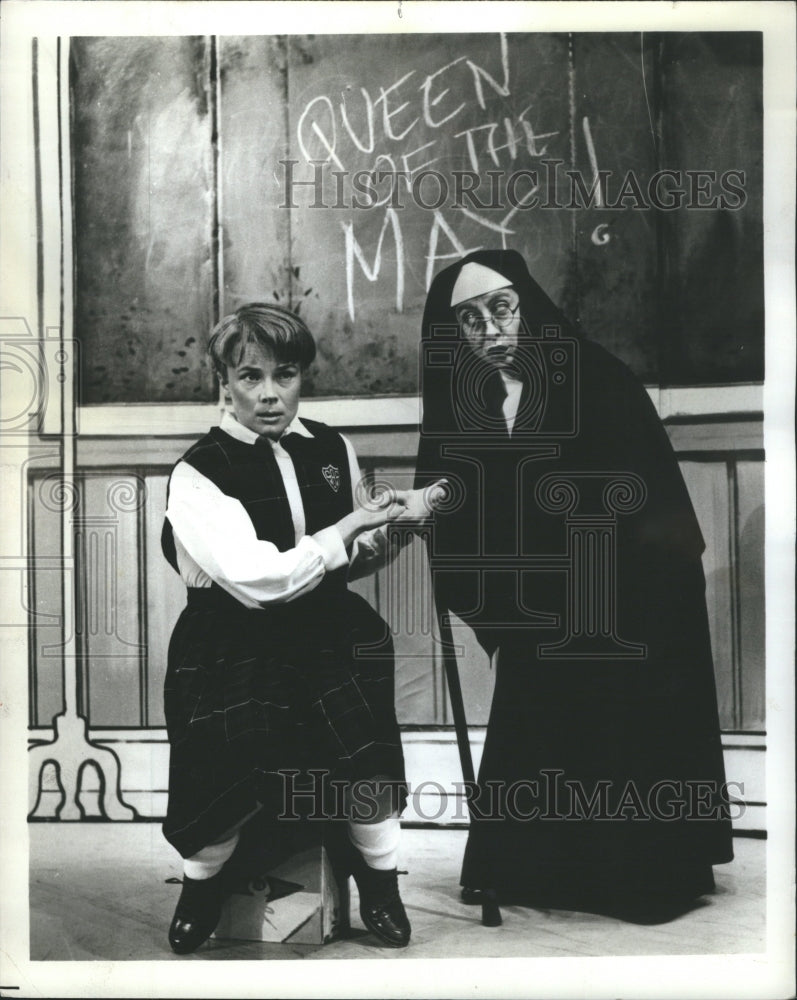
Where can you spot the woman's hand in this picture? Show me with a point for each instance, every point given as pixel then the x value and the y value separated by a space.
pixel 386 504
pixel 383 506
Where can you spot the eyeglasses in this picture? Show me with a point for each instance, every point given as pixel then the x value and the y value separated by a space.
pixel 473 323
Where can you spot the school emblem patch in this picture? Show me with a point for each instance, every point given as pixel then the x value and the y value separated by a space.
pixel 332 475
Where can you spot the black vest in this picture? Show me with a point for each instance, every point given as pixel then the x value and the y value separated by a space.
pixel 250 473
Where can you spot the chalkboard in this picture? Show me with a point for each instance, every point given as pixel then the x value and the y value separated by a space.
pixel 715 317
pixel 144 217
pixel 210 172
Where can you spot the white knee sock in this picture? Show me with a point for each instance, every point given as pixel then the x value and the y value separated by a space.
pixel 377 842
pixel 210 860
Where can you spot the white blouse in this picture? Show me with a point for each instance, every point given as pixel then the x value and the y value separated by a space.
pixel 215 539
pixel 514 390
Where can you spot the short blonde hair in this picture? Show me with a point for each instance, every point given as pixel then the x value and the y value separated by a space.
pixel 277 330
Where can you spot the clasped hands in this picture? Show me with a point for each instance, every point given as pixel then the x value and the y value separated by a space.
pixel 407 505
pixel 382 504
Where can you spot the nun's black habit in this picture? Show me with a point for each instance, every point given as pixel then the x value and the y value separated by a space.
pixel 571 547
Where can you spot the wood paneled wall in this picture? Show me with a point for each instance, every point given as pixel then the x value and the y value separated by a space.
pixel 128 598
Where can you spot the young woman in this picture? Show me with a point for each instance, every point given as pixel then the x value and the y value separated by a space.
pixel 266 522
pixel 575 555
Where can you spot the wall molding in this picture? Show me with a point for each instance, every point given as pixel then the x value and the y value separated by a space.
pixel 131 446
pixel 170 419
pixel 432 763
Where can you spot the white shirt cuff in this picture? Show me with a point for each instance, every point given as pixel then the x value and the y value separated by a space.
pixel 332 548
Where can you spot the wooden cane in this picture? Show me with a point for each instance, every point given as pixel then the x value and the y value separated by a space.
pixel 491 913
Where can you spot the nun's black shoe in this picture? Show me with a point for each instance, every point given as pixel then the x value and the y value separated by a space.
pixel 197 913
pixel 488 900
pixel 381 908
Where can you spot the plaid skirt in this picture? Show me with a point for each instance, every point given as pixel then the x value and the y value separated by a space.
pixel 253 697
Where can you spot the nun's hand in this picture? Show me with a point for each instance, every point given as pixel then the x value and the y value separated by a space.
pixel 420 505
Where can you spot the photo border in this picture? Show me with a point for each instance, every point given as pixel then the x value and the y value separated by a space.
pixel 767 975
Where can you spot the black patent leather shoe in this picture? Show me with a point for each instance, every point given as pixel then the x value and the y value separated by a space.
pixel 381 908
pixel 197 913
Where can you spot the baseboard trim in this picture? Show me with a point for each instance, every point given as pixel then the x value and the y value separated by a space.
pixel 433 773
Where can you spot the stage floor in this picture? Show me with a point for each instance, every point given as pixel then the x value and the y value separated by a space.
pixel 98 891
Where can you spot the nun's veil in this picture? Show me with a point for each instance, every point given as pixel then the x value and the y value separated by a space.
pixel 460 391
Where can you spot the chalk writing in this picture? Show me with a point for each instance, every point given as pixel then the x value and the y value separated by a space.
pixel 593 162
pixel 395 110
pixel 413 135
pixel 353 249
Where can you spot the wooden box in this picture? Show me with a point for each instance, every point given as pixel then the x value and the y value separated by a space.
pixel 297 901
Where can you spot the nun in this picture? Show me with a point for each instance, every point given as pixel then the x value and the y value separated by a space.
pixel 570 547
